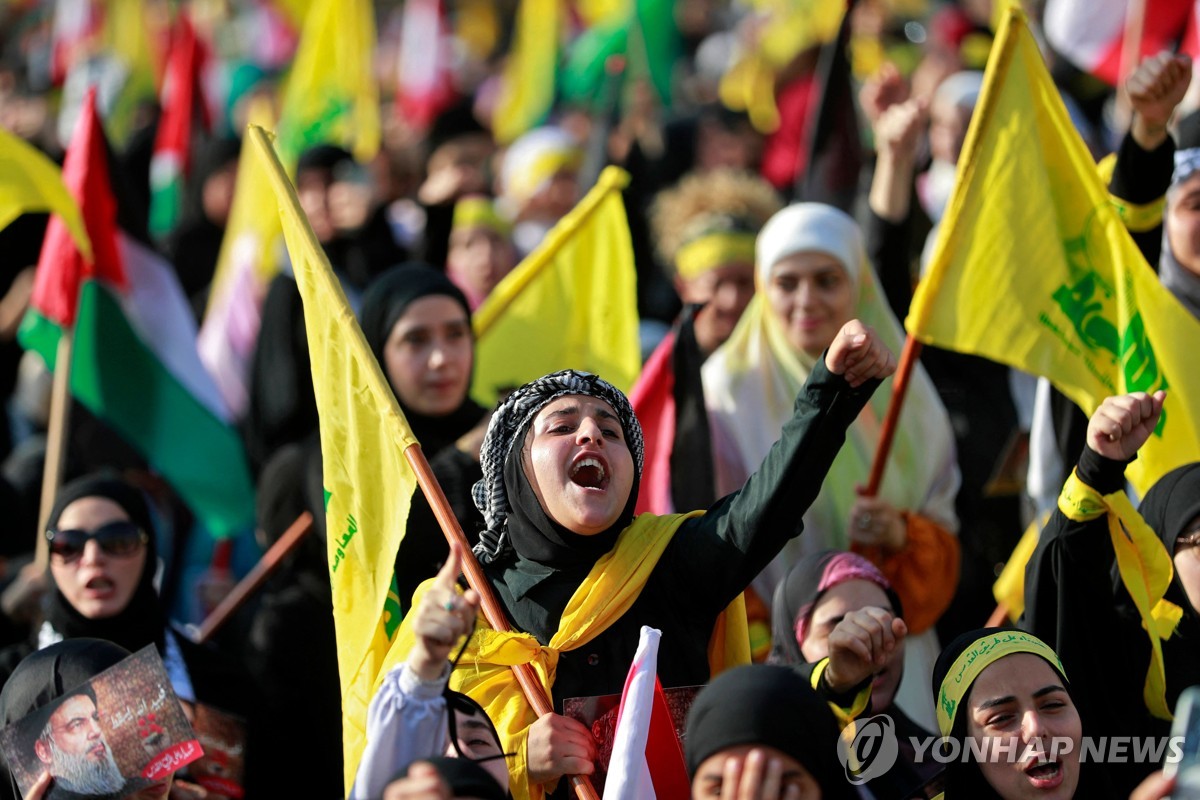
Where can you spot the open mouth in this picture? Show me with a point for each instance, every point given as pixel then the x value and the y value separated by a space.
pixel 1045 775
pixel 100 585
pixel 589 473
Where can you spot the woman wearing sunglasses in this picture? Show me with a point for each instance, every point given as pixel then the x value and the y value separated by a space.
pixel 101 586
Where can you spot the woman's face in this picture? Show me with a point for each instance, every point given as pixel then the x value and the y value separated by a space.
pixel 477 741
pixel 1187 562
pixel 96 584
pixel 797 782
pixel 833 606
pixel 1183 223
pixel 578 463
pixel 1025 723
pixel 428 356
pixel 481 256
pixel 726 289
pixel 812 296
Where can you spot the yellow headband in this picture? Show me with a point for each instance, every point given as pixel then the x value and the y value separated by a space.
pixel 713 250
pixel 478 212
pixel 973 660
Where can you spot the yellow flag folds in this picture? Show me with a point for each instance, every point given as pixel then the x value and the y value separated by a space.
pixel 527 88
pixel 368 482
pixel 331 95
pixel 30 183
pixel 1033 267
pixel 571 304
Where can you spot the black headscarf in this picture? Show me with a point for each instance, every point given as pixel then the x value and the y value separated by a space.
pixel 143 620
pixel 799 593
pixel 771 706
pixel 516 521
pixel 385 302
pixel 48 676
pixel 464 777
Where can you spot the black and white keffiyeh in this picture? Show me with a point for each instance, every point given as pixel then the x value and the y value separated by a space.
pixel 511 418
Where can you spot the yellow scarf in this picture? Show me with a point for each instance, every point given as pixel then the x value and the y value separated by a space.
pixel 1146 570
pixel 609 590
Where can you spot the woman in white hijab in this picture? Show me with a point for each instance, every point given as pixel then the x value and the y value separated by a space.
pixel 813 276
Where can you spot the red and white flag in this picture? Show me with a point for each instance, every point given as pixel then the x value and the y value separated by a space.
pixel 425 82
pixel 647 761
pixel 1091 33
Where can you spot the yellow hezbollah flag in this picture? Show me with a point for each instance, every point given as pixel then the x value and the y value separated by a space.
pixel 249 258
pixel 571 304
pixel 1034 268
pixel 31 183
pixel 368 482
pixel 527 86
pixel 330 96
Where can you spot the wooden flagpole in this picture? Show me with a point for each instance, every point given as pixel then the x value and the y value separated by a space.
pixel 908 362
pixel 254 578
pixel 56 442
pixel 492 610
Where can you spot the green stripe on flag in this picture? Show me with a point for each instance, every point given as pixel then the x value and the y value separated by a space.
pixel 120 380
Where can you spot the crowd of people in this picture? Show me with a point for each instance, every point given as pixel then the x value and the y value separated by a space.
pixel 799 607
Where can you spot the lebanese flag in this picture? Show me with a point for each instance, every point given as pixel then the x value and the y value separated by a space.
pixel 181 97
pixel 653 400
pixel 134 362
pixel 647 761
pixel 1091 33
pixel 425 86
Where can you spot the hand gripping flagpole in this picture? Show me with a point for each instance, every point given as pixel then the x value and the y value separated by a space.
pixel 492 610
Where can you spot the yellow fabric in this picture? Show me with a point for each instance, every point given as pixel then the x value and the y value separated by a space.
pixel 714 250
pixel 1146 571
pixel 1138 217
pixel 572 303
pixel 331 96
pixel 608 591
pixel 787 28
pixel 130 26
pixel 981 654
pixel 1033 268
pixel 527 88
pixel 845 715
pixel 30 183
pixel 478 212
pixel 368 482
pixel 251 240
pixel 1009 588
pixel 521 185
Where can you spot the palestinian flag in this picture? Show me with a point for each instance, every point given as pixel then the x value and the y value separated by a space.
pixel 171 161
pixel 134 362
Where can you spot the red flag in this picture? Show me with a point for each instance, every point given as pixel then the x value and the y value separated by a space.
pixel 61 268
pixel 653 400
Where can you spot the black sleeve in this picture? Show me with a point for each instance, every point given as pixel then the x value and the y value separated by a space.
pixel 887 245
pixel 725 549
pixel 439 219
pixel 1140 177
pixel 1070 603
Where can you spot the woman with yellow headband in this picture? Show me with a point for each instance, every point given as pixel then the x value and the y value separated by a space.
pixel 705 228
pixel 1011 728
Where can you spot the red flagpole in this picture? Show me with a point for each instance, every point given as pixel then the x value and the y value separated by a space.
pixel 908 362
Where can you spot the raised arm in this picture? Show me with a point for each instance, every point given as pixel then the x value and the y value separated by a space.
pixel 726 548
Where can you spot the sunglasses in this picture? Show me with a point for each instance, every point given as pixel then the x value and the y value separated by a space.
pixel 120 539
